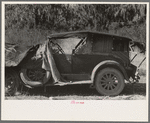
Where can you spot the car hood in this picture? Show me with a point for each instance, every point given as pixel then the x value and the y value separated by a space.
pixel 38 56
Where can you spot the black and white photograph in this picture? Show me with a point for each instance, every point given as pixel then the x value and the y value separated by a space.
pixel 72 56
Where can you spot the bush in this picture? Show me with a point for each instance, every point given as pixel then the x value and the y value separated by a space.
pixel 26 37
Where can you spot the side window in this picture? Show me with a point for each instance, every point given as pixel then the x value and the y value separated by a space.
pixel 84 47
pixel 102 44
pixel 119 45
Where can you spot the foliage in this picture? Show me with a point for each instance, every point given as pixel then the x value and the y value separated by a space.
pixel 136 32
pixel 22 19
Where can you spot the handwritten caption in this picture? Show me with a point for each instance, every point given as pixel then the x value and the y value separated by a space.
pixel 76 102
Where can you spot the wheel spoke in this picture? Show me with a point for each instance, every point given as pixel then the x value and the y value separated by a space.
pixel 30 75
pixel 103 81
pixel 36 75
pixel 107 87
pixel 9 79
pixel 34 78
pixel 31 72
pixel 112 76
pixel 107 76
pixel 109 81
pixel 114 85
pixel 111 87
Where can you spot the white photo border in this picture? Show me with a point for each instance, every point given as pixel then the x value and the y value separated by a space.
pixel 62 110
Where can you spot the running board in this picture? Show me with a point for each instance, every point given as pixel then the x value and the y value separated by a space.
pixel 71 83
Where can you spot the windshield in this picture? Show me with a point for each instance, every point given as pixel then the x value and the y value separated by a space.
pixel 67 44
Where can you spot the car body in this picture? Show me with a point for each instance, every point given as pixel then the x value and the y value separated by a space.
pixel 77 56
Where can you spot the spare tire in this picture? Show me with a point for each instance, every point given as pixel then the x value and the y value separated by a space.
pixel 35 77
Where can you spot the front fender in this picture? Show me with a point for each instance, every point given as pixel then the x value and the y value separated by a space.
pixel 108 63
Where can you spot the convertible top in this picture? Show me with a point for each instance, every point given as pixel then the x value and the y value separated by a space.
pixel 84 33
pixel 14 54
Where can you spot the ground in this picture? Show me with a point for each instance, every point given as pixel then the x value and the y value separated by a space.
pixel 81 92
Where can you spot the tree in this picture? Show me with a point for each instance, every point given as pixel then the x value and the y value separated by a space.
pixel 71 17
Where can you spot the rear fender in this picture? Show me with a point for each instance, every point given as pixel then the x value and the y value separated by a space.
pixel 108 63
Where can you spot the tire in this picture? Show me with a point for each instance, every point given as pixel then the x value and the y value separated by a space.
pixel 109 81
pixel 34 77
pixel 11 82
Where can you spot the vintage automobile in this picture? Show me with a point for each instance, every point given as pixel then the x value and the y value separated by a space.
pixel 73 58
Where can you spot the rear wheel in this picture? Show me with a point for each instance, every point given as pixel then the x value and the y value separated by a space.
pixel 34 77
pixel 11 82
pixel 109 81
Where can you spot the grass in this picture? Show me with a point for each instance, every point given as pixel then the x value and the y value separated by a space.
pixel 75 97
pixel 81 92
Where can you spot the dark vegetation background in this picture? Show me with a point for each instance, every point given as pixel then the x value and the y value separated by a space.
pixel 29 24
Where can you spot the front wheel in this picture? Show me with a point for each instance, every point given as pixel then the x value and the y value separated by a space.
pixel 109 81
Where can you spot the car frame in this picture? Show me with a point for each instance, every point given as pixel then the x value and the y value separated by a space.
pixel 101 58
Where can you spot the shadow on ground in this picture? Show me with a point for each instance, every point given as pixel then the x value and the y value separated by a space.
pixel 83 90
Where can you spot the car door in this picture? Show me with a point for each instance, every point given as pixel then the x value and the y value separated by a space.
pixel 94 50
pixel 83 61
pixel 63 59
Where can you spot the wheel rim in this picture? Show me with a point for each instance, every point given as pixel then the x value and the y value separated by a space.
pixel 109 82
pixel 36 74
pixel 10 82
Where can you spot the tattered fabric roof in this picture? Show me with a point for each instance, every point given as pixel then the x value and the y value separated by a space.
pixel 84 33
